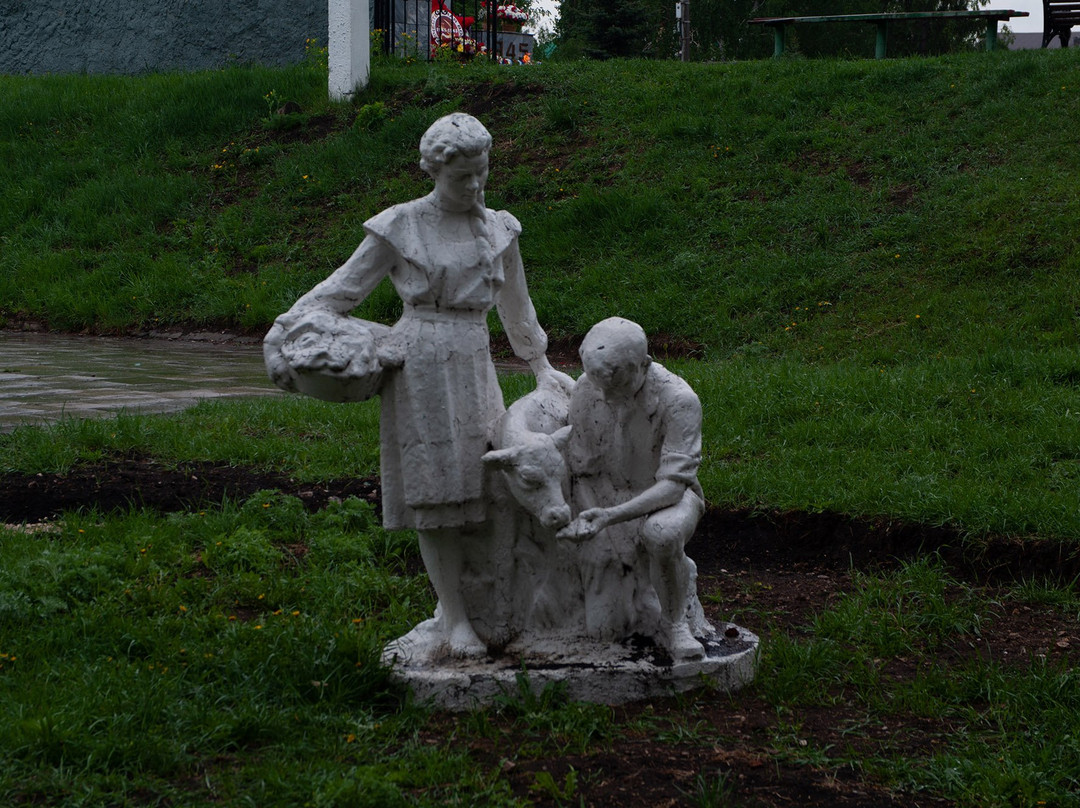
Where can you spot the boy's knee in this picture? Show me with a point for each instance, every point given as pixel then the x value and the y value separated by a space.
pixel 667 531
pixel 665 535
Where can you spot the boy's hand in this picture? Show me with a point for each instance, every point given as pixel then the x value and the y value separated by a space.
pixel 586 526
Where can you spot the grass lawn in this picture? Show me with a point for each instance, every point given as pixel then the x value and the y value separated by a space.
pixel 228 656
pixel 878 211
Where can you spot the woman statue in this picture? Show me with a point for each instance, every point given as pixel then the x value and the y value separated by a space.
pixel 451 259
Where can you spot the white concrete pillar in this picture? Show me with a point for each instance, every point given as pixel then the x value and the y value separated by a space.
pixel 348 48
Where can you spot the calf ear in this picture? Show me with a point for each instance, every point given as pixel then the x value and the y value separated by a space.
pixel 500 458
pixel 560 436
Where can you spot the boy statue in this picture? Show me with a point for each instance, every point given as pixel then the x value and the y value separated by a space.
pixel 633 455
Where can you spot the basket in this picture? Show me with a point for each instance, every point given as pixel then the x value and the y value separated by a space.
pixel 327 356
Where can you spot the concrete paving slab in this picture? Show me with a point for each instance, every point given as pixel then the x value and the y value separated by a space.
pixel 44 377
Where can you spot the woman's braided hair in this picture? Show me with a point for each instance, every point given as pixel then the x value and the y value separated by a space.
pixel 451 135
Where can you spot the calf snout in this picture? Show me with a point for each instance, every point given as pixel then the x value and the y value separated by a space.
pixel 555 517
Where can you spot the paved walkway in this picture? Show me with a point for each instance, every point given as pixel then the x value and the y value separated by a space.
pixel 44 377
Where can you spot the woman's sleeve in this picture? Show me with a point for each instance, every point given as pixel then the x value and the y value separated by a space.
pixel 352 282
pixel 516 310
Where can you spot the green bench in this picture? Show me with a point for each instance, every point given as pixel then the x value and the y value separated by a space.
pixel 991 16
pixel 1058 21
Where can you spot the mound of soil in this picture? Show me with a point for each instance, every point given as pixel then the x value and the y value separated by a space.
pixel 143 483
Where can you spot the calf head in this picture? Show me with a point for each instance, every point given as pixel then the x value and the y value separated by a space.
pixel 535 471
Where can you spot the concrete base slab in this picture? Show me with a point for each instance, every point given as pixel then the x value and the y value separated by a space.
pixel 613 674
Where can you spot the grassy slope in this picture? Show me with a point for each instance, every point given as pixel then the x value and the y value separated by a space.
pixel 721 203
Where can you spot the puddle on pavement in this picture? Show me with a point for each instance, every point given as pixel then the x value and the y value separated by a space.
pixel 44 377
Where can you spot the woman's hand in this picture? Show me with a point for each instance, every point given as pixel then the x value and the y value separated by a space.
pixel 549 378
pixel 391 352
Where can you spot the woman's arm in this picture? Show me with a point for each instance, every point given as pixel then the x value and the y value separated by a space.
pixel 351 283
pixel 334 297
pixel 518 317
pixel 517 313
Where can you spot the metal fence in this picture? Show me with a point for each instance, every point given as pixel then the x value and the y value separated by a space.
pixel 452 29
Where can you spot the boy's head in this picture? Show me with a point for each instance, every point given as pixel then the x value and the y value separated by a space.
pixel 615 356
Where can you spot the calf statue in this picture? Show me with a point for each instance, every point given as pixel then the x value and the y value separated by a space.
pixel 531 474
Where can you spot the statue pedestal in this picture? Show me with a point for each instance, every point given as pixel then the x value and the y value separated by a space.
pixel 603 674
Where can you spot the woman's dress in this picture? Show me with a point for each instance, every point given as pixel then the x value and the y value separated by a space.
pixel 439 407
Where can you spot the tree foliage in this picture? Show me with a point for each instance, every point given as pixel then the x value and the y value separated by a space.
pixel 721 29
pixel 601 29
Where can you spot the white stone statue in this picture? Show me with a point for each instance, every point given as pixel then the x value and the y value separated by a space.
pixel 554 531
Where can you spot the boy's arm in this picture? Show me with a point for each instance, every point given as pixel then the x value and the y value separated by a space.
pixel 661 494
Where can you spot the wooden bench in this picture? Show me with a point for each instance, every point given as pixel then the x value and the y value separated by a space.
pixel 991 16
pixel 1058 21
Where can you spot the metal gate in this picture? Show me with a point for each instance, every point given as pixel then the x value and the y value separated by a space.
pixel 452 29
